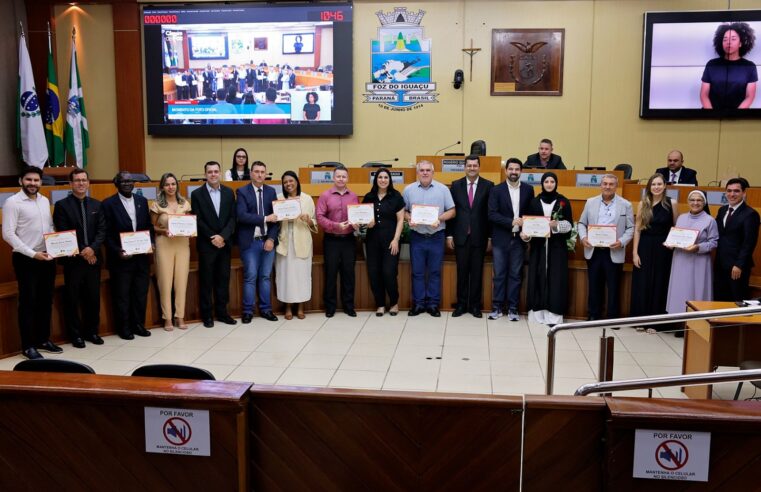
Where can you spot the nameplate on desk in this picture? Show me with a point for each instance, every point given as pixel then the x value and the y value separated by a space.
pixel 192 188
pixel 58 195
pixel 452 165
pixel 4 196
pixel 147 192
pixel 177 431
pixel 716 198
pixel 321 177
pixel 533 179
pixel 397 177
pixel 589 180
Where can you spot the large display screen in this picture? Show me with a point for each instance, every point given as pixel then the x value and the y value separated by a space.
pixel 248 69
pixel 701 64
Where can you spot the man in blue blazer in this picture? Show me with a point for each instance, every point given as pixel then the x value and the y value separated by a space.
pixel 257 237
pixel 130 274
pixel 604 264
pixel 507 203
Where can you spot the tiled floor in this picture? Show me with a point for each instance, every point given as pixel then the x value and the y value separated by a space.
pixel 464 355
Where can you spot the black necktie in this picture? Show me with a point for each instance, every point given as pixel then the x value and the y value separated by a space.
pixel 83 209
pixel 729 215
pixel 261 210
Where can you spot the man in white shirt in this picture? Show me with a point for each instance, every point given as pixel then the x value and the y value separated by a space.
pixel 26 218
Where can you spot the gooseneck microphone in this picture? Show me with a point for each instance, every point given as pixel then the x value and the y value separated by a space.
pixel 447 147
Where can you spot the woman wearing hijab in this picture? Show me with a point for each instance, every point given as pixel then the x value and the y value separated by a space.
pixel 547 295
pixel 691 271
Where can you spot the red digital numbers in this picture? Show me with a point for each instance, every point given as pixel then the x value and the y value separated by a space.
pixel 160 19
pixel 332 15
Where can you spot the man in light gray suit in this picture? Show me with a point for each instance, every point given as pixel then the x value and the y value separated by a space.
pixel 604 264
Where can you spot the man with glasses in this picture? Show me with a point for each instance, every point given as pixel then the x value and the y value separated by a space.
pixel 81 272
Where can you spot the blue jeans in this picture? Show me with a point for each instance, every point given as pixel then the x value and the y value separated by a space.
pixel 427 256
pixel 257 267
pixel 508 268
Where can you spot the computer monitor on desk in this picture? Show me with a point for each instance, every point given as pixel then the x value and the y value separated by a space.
pixel 594 168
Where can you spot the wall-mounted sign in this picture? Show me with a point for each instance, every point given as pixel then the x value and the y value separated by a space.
pixel 672 455
pixel 177 431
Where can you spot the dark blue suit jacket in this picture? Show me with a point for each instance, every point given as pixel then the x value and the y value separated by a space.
pixel 249 217
pixel 118 221
pixel 687 176
pixel 501 212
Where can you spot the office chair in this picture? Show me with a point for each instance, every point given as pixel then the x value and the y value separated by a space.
pixel 745 366
pixel 53 365
pixel 176 371
pixel 329 164
pixel 478 148
pixel 48 180
pixel 140 178
pixel 375 164
pixel 626 168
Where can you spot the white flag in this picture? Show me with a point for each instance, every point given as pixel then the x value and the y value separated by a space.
pixel 76 135
pixel 31 132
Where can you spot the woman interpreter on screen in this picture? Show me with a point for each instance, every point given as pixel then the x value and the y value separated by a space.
pixel 729 82
pixel 311 108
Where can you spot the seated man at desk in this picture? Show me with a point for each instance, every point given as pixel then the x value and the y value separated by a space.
pixel 675 172
pixel 544 159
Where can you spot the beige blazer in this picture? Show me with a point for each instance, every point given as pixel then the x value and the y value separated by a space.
pixel 302 233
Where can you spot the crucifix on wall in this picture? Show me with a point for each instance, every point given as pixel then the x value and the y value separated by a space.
pixel 471 51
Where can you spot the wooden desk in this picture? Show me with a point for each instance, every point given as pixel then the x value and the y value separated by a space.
pixel 489 163
pixel 718 342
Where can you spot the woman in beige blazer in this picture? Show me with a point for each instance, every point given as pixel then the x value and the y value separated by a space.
pixel 293 262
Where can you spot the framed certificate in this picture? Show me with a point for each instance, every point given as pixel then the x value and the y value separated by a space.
pixel 287 209
pixel 536 226
pixel 182 225
pixel 361 214
pixel 680 237
pixel 601 236
pixel 136 243
pixel 62 243
pixel 424 214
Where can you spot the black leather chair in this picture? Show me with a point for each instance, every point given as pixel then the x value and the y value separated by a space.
pixel 375 164
pixel 478 148
pixel 745 366
pixel 626 168
pixel 53 365
pixel 140 178
pixel 330 164
pixel 48 180
pixel 176 371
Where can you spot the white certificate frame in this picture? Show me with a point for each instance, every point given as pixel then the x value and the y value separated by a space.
pixel 360 213
pixel 136 243
pixel 62 243
pixel 424 214
pixel 601 236
pixel 681 237
pixel 536 226
pixel 287 209
pixel 182 225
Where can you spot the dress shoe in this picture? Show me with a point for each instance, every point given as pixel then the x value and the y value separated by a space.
pixel 246 318
pixel 329 314
pixel 458 312
pixel 415 311
pixel 78 343
pixel 208 323
pixel 268 315
pixel 350 312
pixel 476 313
pixel 434 311
pixel 50 347
pixel 31 353
pixel 141 331
pixel 126 336
pixel 227 319
pixel 94 339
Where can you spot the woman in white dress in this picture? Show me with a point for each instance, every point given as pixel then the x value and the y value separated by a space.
pixel 293 261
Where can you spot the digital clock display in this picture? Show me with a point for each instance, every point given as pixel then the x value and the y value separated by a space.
pixel 160 19
pixel 331 15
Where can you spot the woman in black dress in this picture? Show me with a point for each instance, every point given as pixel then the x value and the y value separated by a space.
pixel 656 215
pixel 547 295
pixel 382 241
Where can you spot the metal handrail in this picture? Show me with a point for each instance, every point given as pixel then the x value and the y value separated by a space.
pixel 656 319
pixel 681 380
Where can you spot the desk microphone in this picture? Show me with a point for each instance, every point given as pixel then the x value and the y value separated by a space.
pixel 395 159
pixel 447 147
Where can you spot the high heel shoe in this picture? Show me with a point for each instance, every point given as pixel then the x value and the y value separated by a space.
pixel 394 310
pixel 379 312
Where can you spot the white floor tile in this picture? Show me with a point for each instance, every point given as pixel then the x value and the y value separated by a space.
pixel 219 371
pixel 114 367
pixel 366 363
pixel 464 383
pixel 175 356
pixel 464 367
pixel 129 352
pixel 358 379
pixel 516 368
pixel 266 359
pixel 222 357
pixel 410 381
pixel 517 385
pixel 372 349
pixel 305 377
pixel 317 361
pixel 257 375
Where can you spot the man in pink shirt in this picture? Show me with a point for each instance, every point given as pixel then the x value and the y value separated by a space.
pixel 339 251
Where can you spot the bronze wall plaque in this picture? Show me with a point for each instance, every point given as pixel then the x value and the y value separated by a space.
pixel 527 62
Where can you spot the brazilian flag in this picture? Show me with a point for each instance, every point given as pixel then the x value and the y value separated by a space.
pixel 53 115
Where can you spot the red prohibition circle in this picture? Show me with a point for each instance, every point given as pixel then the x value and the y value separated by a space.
pixel 168 424
pixel 673 458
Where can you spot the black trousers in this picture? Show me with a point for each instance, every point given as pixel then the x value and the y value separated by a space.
pixel 214 277
pixel 36 280
pixel 340 255
pixel 726 289
pixel 382 269
pixel 603 272
pixel 129 292
pixel 81 309
pixel 470 268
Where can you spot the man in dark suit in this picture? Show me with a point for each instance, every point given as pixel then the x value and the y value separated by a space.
pixel 738 233
pixel 214 206
pixel 126 211
pixel 469 235
pixel 257 237
pixel 507 203
pixel 544 159
pixel 81 272
pixel 675 172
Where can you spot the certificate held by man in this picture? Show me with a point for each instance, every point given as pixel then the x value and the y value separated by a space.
pixel 680 237
pixel 601 236
pixel 287 209
pixel 424 214
pixel 361 214
pixel 62 243
pixel 136 243
pixel 182 225
pixel 536 226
